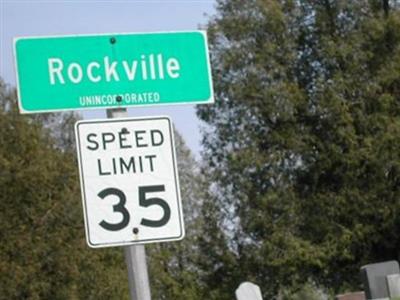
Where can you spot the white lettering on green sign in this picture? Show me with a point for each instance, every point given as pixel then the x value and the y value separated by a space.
pixel 150 67
pixel 116 70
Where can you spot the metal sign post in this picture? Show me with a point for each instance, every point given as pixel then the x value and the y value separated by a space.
pixel 135 256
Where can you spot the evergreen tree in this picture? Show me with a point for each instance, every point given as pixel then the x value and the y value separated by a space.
pixel 303 138
pixel 174 268
pixel 43 253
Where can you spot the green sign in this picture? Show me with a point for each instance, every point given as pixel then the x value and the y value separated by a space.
pixel 112 70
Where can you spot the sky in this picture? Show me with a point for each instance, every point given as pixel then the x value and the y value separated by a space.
pixel 40 18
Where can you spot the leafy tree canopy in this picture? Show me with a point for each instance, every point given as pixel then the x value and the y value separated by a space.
pixel 43 254
pixel 303 138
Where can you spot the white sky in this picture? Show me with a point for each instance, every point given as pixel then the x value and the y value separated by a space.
pixel 56 17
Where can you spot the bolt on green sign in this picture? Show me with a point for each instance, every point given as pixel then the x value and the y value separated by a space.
pixel 112 70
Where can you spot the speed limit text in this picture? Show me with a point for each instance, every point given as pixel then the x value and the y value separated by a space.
pixel 130 141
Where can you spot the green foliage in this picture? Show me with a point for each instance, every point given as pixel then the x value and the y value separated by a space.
pixel 303 139
pixel 43 253
pixel 175 266
pixel 308 291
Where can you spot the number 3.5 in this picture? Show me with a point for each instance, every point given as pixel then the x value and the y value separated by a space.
pixel 143 201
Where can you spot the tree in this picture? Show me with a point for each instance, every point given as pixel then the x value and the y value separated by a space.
pixel 302 138
pixel 309 291
pixel 43 254
pixel 175 266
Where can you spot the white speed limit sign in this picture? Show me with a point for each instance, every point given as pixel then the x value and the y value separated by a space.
pixel 129 181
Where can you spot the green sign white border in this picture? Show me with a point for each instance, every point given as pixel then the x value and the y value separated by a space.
pixel 210 100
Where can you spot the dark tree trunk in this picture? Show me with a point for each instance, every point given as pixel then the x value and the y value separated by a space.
pixel 386 7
